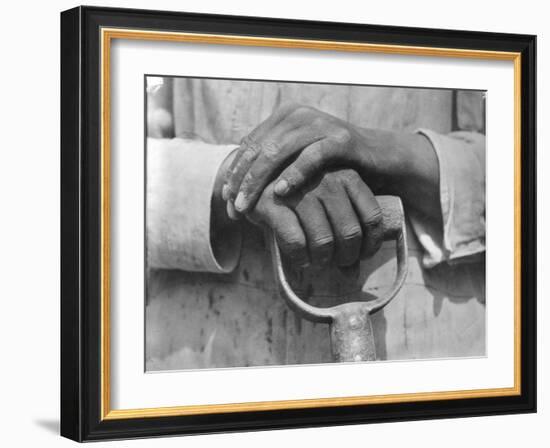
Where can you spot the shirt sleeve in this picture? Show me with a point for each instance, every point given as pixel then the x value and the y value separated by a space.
pixel 461 157
pixel 180 183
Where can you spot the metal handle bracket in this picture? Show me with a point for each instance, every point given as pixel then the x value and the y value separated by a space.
pixel 351 332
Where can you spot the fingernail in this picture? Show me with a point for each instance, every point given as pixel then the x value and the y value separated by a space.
pixel 231 211
pixel 239 202
pixel 281 187
pixel 225 192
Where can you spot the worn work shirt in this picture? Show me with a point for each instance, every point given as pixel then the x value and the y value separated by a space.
pixel 214 306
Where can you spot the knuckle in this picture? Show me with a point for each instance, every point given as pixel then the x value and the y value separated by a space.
pixel 351 177
pixel 351 234
pixel 295 179
pixel 288 107
pixel 250 152
pixel 245 141
pixel 322 243
pixel 292 175
pixel 314 157
pixel 270 151
pixel 342 136
pixel 303 108
pixel 248 180
pixel 328 184
pixel 231 187
pixel 300 110
pixel 318 122
pixel 375 218
pixel 234 173
pixel 228 177
pixel 249 142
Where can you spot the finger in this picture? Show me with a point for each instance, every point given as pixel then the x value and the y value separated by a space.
pixel 250 147
pixel 231 212
pixel 310 162
pixel 247 153
pixel 287 229
pixel 270 160
pixel 258 132
pixel 226 192
pixel 345 227
pixel 290 237
pixel 370 215
pixel 317 229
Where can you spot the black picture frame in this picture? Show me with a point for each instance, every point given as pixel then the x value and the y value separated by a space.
pixel 81 224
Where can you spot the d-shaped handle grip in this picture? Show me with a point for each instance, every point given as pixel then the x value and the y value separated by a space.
pixel 351 331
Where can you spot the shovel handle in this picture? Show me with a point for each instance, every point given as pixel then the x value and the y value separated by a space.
pixel 394 228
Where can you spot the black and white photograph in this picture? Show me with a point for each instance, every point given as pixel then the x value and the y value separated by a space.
pixel 292 223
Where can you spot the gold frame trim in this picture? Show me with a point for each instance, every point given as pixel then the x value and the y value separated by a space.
pixel 107 35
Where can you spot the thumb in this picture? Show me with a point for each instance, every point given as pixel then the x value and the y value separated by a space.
pixel 310 162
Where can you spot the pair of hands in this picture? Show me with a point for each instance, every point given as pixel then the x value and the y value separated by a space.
pixel 290 174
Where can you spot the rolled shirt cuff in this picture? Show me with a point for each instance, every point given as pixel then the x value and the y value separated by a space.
pixel 180 183
pixel 461 157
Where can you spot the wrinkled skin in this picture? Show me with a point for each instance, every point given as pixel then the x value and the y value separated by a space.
pixel 296 143
pixel 335 218
pixel 288 174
